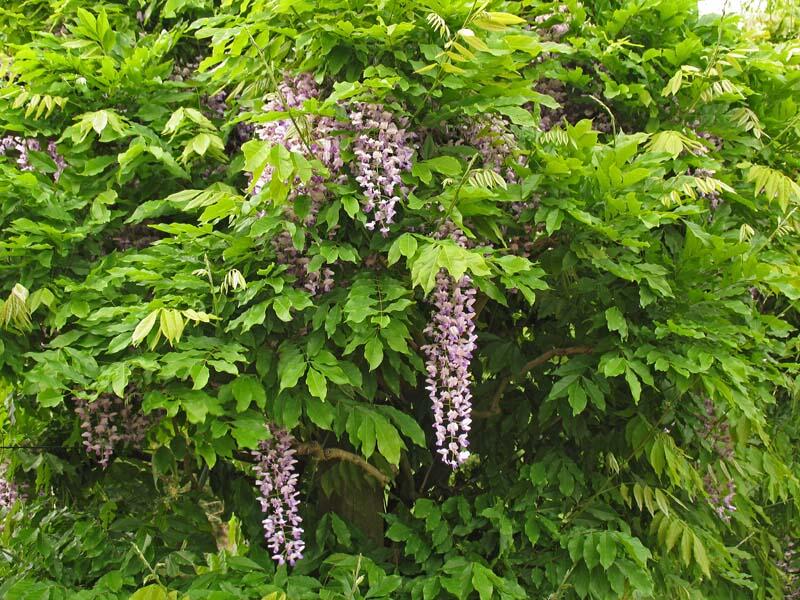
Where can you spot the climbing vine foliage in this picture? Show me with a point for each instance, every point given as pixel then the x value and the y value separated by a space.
pixel 409 299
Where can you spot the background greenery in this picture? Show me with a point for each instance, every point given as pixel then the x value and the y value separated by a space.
pixel 620 289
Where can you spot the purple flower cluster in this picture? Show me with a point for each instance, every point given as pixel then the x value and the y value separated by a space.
pixel 716 430
pixel 383 151
pixel 8 493
pixel 286 254
pixel 553 31
pixel 721 496
pixel 789 564
pixel 712 139
pixel 23 146
pixel 713 197
pixel 321 144
pixel 493 140
pixel 452 335
pixel 108 422
pixel 277 483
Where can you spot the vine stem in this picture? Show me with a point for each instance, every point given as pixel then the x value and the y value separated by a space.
pixel 494 408
pixel 312 449
pixel 315 450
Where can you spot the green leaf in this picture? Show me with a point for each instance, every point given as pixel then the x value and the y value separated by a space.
pixel 481 582
pixel 389 442
pixel 700 556
pixel 446 165
pixel 282 305
pixel 373 352
pixel 151 592
pixel 247 389
pixel 634 384
pixel 607 549
pixel 405 245
pixel 577 398
pixel 616 322
pixel 532 529
pixel 425 267
pixel 615 366
pixel 144 327
pixel 200 375
pixel 686 546
pixel 291 366
pixel 248 430
pixel 317 384
pixel 320 413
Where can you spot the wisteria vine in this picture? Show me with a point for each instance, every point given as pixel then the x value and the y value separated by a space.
pixel 383 151
pixel 277 483
pixel 108 422
pixel 453 342
pixel 8 493
pixel 23 147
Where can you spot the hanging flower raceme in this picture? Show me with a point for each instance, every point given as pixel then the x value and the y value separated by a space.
pixel 452 335
pixel 716 430
pixel 277 483
pixel 721 496
pixel 315 282
pixel 320 143
pixel 383 151
pixel 108 422
pixel 493 140
pixel 8 493
pixel 22 147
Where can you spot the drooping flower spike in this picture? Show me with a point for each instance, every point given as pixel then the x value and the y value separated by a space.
pixel 277 483
pixel 453 342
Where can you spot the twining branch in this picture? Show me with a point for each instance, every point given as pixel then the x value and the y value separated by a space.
pixel 314 450
pixel 494 407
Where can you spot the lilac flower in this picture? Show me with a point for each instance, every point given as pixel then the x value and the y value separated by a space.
pixel 286 254
pixel 277 483
pixel 61 164
pixel 493 140
pixel 713 197
pixel 716 430
pixel 790 566
pixel 8 493
pixel 721 498
pixel 452 335
pixel 383 151
pixel 22 146
pixel 322 145
pixel 108 422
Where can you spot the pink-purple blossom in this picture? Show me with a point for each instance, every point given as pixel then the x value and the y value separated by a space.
pixel 721 496
pixel 316 282
pixel 452 343
pixel 383 151
pixel 108 422
pixel 8 493
pixel 277 483
pixel 320 141
pixel 23 146
pixel 493 140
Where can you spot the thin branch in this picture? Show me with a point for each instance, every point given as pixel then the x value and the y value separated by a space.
pixel 494 407
pixel 314 450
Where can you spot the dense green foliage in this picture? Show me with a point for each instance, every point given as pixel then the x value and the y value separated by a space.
pixel 638 294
